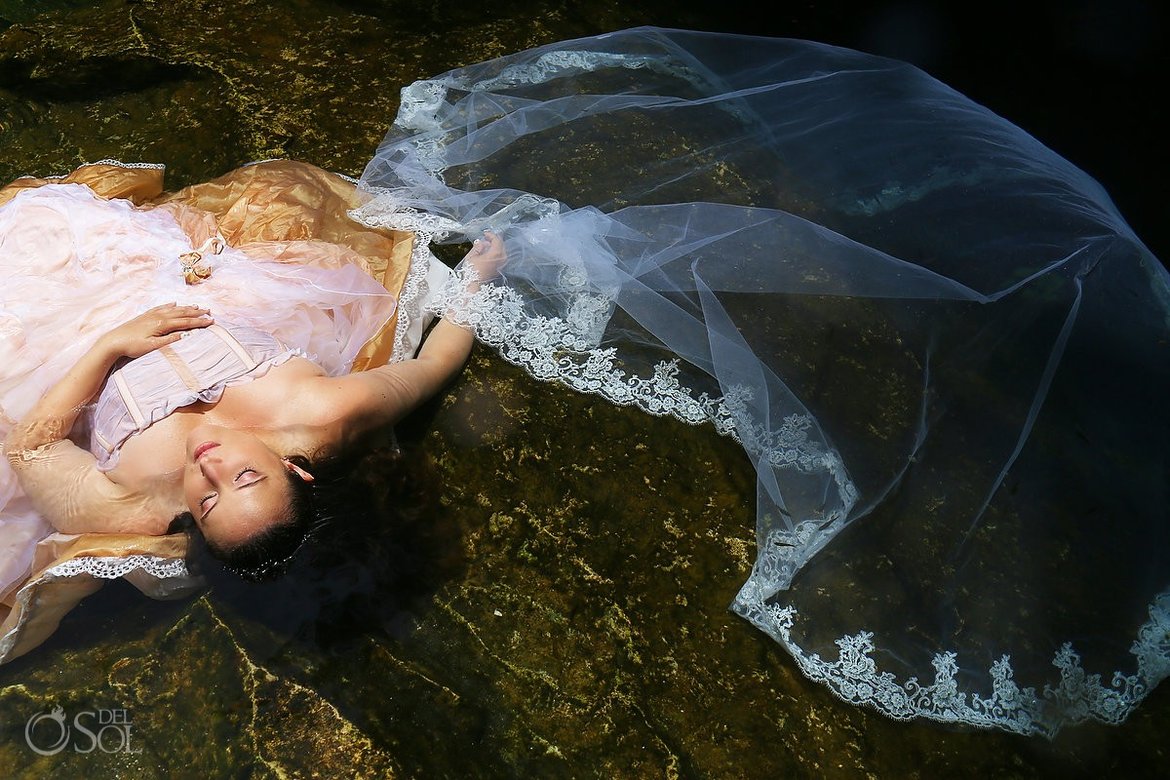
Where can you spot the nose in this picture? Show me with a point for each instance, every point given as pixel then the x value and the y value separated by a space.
pixel 212 467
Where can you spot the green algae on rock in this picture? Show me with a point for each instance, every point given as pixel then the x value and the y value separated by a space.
pixel 587 632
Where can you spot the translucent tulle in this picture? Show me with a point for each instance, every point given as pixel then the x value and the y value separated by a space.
pixel 944 351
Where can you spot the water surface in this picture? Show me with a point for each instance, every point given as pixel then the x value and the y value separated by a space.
pixel 566 616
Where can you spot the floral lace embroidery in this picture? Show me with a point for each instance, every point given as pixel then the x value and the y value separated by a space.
pixel 387 211
pixel 419 105
pixel 544 346
pixel 410 300
pixel 422 101
pixel 384 212
pixel 854 677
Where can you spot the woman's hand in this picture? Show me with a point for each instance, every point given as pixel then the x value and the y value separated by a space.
pixel 487 256
pixel 154 328
pixel 53 416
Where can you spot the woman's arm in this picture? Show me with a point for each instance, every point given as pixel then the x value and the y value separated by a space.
pixel 64 486
pixel 61 479
pixel 369 400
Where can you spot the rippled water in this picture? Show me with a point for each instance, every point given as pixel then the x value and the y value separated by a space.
pixel 563 612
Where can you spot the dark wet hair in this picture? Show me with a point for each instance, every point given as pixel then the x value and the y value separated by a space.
pixel 268 554
pixel 379 543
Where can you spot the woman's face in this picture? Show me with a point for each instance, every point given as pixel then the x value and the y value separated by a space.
pixel 234 484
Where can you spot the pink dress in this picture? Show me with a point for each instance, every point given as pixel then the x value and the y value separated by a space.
pixel 73 265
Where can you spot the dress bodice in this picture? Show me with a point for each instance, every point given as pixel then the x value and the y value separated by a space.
pixel 196 368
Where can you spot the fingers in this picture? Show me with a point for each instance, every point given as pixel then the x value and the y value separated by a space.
pixel 184 323
pixel 190 323
pixel 175 309
pixel 488 242
pixel 172 317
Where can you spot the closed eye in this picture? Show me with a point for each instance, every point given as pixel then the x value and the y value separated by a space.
pixel 203 507
pixel 245 478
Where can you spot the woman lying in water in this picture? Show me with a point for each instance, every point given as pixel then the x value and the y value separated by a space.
pixel 240 465
pixel 202 418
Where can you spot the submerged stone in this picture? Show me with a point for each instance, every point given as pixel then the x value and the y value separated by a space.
pixel 574 622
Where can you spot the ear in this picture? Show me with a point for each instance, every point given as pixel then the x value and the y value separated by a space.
pixel 300 472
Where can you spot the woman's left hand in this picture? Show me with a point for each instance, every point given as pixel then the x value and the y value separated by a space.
pixel 154 328
pixel 487 256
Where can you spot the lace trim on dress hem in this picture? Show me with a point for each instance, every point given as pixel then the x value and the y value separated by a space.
pixel 120 164
pixel 1079 696
pixel 382 213
pixel 111 568
pixel 411 297
pixel 107 161
pixel 104 568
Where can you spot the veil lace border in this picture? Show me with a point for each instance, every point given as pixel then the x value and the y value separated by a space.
pixel 564 350
pixel 1078 696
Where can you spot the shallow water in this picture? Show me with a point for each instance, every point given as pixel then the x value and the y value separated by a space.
pixel 571 619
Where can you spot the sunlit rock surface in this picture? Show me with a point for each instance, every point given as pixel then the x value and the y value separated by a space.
pixel 570 618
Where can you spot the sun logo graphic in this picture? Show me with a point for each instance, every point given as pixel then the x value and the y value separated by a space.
pixel 57 717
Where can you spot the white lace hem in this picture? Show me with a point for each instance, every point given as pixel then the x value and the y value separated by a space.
pixel 1078 697
pixel 381 213
pixel 164 570
pixel 111 568
pixel 107 161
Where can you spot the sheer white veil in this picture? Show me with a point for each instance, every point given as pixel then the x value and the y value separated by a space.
pixel 942 348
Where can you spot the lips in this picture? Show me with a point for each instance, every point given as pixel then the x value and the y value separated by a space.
pixel 202 448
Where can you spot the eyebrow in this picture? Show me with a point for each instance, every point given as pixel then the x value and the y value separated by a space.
pixel 263 477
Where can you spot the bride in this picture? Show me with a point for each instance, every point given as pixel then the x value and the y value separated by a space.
pixel 236 462
pixel 123 417
pixel 940 345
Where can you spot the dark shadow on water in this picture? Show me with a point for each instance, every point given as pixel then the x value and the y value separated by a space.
pixel 368 574
pixel 117 610
pixel 98 78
